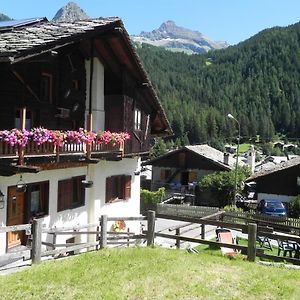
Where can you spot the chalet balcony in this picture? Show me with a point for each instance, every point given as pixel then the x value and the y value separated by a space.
pixel 38 143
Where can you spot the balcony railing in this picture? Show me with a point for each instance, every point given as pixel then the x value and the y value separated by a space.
pixel 39 142
pixel 32 149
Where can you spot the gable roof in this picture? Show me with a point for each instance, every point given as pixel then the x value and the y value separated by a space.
pixel 34 39
pixel 211 154
pixel 277 168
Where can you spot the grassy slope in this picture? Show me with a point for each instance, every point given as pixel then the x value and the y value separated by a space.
pixel 143 273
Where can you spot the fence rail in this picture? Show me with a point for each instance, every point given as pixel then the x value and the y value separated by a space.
pixel 105 237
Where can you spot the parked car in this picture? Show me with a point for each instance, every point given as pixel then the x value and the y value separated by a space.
pixel 271 207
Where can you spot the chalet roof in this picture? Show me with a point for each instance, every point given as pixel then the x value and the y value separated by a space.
pixel 34 39
pixel 45 36
pixel 213 155
pixel 276 168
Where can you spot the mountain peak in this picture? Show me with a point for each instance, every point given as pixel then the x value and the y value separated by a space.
pixel 176 38
pixel 69 13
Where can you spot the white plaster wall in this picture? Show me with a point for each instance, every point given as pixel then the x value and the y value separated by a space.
pixel 97 93
pixel 282 198
pixel 94 201
pixel 123 208
pixel 70 217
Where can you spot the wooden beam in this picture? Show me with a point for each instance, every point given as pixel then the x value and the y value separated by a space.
pixel 108 56
pixel 30 90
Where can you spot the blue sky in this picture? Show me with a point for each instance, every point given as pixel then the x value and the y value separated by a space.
pixel 228 20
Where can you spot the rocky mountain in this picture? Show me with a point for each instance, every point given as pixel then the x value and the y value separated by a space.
pixel 70 12
pixel 4 17
pixel 175 38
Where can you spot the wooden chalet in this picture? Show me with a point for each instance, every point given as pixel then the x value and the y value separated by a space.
pixel 186 166
pixel 62 77
pixel 281 182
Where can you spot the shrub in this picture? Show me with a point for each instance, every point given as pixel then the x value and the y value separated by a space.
pixel 153 197
pixel 221 185
pixel 294 207
pixel 232 208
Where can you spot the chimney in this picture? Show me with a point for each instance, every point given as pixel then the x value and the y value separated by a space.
pixel 251 159
pixel 226 158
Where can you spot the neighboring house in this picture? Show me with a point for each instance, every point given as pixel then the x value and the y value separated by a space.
pixel 269 162
pixel 280 182
pixel 183 168
pixel 63 76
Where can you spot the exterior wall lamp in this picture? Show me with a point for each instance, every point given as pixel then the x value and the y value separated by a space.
pixel 21 186
pixel 2 201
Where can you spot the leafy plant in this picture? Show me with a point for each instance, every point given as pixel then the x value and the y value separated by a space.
pixel 221 185
pixel 294 207
pixel 232 208
pixel 153 197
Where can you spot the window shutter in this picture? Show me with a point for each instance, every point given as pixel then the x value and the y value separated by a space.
pixel 65 194
pixel 108 195
pixel 127 187
pixel 78 191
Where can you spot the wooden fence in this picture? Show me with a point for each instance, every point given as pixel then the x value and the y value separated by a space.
pixel 104 237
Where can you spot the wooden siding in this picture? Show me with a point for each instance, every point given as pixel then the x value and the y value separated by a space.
pixel 280 183
pixel 64 71
pixel 119 110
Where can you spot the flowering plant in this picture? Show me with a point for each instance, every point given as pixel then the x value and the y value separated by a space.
pixel 42 135
pixel 58 137
pixel 114 138
pixel 15 137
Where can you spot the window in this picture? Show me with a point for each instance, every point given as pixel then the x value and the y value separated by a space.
pixel 46 87
pixel 28 120
pixel 165 174
pixel 38 198
pixel 137 119
pixel 118 187
pixel 75 84
pixel 71 193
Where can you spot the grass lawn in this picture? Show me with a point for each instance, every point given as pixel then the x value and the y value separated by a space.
pixel 145 273
pixel 244 148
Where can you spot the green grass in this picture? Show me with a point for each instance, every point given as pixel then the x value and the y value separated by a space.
pixel 244 148
pixel 145 273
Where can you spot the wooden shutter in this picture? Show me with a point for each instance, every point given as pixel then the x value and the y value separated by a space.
pixel 65 194
pixel 127 187
pixel 108 190
pixel 78 191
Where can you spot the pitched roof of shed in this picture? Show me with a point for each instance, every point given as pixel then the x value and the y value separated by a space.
pixel 277 168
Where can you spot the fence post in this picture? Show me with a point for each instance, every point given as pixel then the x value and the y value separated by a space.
pixel 177 239
pixel 252 231
pixel 36 250
pixel 103 237
pixel 150 227
pixel 203 231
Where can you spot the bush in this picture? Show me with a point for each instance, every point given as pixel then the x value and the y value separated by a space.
pixel 232 208
pixel 153 197
pixel 294 207
pixel 221 185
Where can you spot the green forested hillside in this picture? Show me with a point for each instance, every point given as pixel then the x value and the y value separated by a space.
pixel 258 81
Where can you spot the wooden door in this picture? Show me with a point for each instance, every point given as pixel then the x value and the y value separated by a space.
pixel 15 216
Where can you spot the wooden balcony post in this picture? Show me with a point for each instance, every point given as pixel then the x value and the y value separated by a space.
pixel 89 128
pixel 23 125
